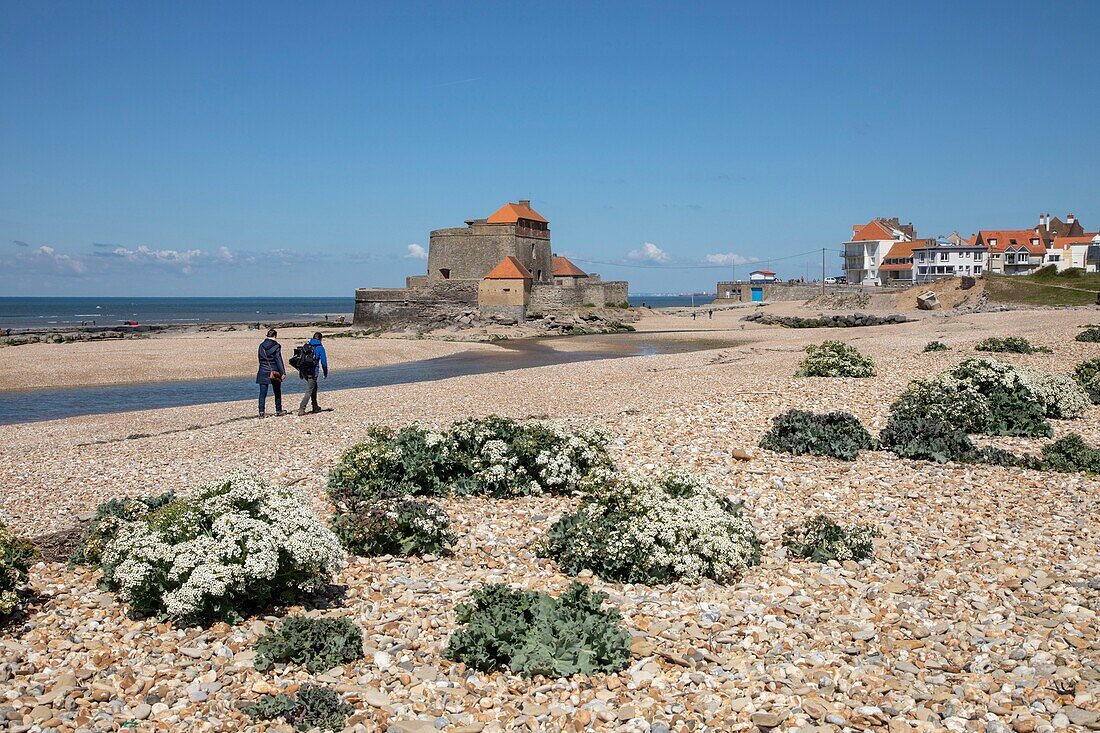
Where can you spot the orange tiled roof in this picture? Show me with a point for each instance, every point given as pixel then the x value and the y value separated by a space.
pixel 1063 242
pixel 905 266
pixel 511 213
pixel 905 249
pixel 1005 239
pixel 509 269
pixel 761 272
pixel 871 231
pixel 565 268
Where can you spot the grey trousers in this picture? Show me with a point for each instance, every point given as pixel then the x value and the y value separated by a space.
pixel 311 394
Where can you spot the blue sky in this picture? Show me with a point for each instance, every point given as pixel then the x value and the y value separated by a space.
pixel 300 149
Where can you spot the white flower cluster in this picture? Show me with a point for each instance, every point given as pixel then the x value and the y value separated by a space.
pixel 646 529
pixel 1061 395
pixel 237 540
pixel 835 359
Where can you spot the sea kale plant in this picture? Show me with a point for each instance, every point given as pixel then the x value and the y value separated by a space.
pixel 836 434
pixel 835 359
pixel 313 706
pixel 237 545
pixel 318 644
pixel 532 633
pixel 1071 454
pixel 935 440
pixel 494 456
pixel 1009 345
pixel 979 396
pixel 1091 334
pixel 821 539
pixel 636 529
pixel 936 346
pixel 1087 374
pixel 109 517
pixel 16 556
pixel 1061 396
pixel 400 526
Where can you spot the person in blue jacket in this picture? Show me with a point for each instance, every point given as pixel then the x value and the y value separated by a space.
pixel 271 372
pixel 320 364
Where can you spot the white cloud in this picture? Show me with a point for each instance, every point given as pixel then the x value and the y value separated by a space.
pixel 649 252
pixel 226 255
pixel 729 258
pixel 183 259
pixel 48 259
pixel 417 252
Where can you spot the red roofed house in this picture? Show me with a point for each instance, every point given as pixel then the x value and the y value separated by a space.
pixel 469 252
pixel 761 276
pixel 1013 251
pixel 1074 251
pixel 865 251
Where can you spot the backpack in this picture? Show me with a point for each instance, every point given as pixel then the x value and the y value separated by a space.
pixel 304 360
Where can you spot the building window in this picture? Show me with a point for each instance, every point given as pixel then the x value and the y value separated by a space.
pixel 445 273
pixel 977 269
pixel 977 256
pixel 943 257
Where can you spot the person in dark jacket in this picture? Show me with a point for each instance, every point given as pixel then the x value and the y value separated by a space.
pixel 271 372
pixel 320 363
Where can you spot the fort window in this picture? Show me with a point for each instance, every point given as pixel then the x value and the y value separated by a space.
pixel 445 273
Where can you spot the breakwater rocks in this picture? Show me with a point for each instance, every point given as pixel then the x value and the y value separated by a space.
pixel 823 321
pixel 83 334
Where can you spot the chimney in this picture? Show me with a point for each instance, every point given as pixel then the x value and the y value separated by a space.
pixel 1069 219
pixel 525 202
pixel 1042 221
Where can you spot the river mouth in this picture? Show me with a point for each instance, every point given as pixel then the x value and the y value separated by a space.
pixel 28 406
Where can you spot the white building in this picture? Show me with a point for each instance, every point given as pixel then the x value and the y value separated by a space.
pixel 948 259
pixel 1074 251
pixel 868 247
pixel 761 276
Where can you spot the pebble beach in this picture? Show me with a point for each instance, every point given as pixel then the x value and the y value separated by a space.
pixel 978 611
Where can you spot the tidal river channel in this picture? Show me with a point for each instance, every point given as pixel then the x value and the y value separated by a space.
pixel 57 403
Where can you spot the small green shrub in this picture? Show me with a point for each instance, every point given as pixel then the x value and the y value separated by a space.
pixel 318 644
pixel 313 706
pixel 936 346
pixel 394 527
pixel 821 539
pixel 1009 345
pixel 236 546
pixel 928 440
pixel 16 556
pixel 532 633
pixel 654 530
pixel 1091 334
pixel 109 517
pixel 836 434
pixel 835 359
pixel 1087 374
pixel 1071 454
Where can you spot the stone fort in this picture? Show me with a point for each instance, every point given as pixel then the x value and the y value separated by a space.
pixel 502 265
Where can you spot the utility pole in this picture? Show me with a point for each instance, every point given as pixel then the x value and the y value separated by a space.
pixel 822 270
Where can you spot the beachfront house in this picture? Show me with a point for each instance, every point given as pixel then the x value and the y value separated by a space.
pixel 1013 251
pixel 954 258
pixel 869 245
pixel 761 276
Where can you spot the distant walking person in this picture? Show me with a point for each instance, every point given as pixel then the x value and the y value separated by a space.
pixel 311 361
pixel 271 373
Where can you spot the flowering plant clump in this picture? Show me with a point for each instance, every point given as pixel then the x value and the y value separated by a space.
pixel 936 346
pixel 1061 396
pixel 313 706
pixel 821 539
pixel 836 434
pixel 635 529
pixel 1009 345
pixel 318 644
pixel 109 517
pixel 977 396
pixel 496 456
pixel 1087 374
pixel 15 558
pixel 394 527
pixel 237 545
pixel 532 633
pixel 835 359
